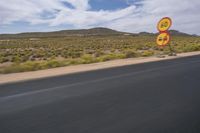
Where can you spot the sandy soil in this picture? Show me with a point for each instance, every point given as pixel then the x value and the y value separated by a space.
pixel 17 77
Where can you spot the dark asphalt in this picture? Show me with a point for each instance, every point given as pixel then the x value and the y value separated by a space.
pixel 158 97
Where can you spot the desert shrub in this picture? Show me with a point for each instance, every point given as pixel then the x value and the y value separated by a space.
pixel 19 68
pixel 111 57
pixel 131 54
pixel 76 55
pixel 1 59
pixel 4 59
pixel 32 66
pixel 75 61
pixel 99 53
pixel 190 48
pixel 147 53
pixel 54 63
pixel 16 59
pixel 87 58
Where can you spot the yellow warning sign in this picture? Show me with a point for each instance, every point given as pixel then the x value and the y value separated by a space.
pixel 164 24
pixel 163 39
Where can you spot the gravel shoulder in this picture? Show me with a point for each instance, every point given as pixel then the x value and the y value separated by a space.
pixel 17 77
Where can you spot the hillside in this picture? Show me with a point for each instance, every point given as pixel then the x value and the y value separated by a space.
pixel 82 32
pixel 99 31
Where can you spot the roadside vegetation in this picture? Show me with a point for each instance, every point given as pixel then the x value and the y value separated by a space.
pixel 31 54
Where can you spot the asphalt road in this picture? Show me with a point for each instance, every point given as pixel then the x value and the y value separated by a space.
pixel 158 97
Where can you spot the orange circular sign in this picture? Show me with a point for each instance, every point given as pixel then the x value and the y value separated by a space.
pixel 163 39
pixel 164 24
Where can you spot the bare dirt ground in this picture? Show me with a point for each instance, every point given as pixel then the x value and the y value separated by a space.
pixel 17 77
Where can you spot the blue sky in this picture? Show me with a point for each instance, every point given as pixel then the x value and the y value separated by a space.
pixel 108 4
pixel 124 15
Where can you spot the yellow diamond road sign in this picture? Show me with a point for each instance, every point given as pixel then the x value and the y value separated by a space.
pixel 164 24
pixel 163 39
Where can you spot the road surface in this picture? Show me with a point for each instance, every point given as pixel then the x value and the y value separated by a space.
pixel 157 97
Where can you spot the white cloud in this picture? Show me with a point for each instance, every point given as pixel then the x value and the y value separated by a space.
pixel 185 14
pixel 79 4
